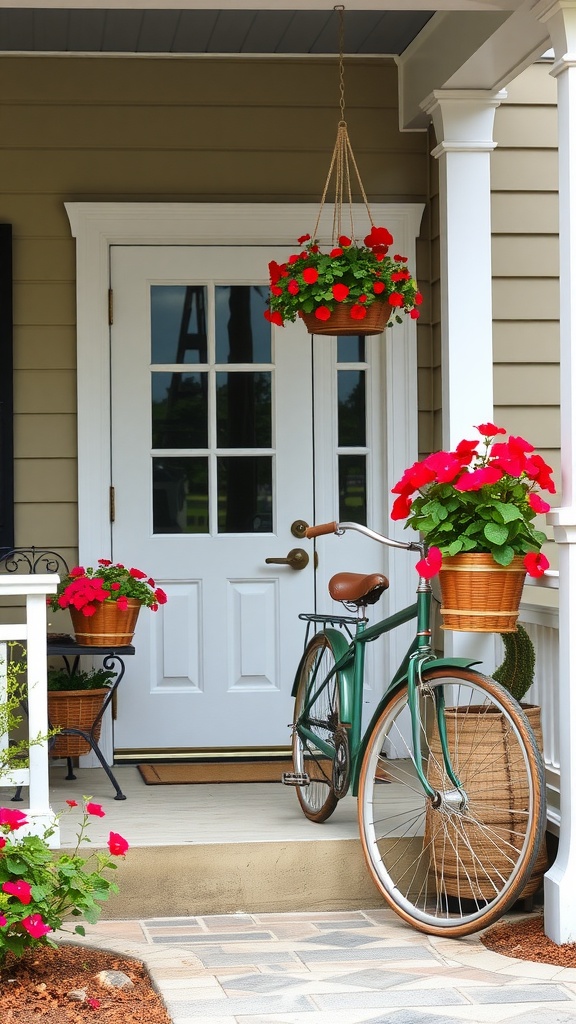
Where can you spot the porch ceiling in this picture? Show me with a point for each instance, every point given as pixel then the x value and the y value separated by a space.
pixel 179 31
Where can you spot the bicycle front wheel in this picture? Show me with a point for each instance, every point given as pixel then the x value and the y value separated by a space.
pixel 452 864
pixel 316 729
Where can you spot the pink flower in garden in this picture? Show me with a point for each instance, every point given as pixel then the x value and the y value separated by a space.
pixel 96 810
pixel 3 921
pixel 20 889
pixel 117 845
pixel 13 819
pixel 35 926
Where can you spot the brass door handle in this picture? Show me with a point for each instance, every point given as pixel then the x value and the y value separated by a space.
pixel 297 558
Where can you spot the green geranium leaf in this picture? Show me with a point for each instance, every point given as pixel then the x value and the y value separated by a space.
pixel 507 511
pixel 503 556
pixel 496 533
pixel 455 547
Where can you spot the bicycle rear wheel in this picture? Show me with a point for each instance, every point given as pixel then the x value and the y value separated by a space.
pixel 455 863
pixel 316 709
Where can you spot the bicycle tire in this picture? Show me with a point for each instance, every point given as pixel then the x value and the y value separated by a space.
pixel 452 869
pixel 317 799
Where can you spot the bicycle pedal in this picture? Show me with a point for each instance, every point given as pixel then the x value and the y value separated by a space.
pixel 295 779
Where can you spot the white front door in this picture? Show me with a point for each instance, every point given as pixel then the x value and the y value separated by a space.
pixel 211 467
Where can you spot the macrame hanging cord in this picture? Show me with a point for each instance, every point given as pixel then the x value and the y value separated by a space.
pixel 342 159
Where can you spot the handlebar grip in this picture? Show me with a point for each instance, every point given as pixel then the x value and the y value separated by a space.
pixel 318 531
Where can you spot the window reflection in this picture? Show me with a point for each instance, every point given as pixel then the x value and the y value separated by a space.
pixel 351 408
pixel 178 323
pixel 351 349
pixel 352 487
pixel 179 410
pixel 242 333
pixel 180 495
pixel 245 494
pixel 244 410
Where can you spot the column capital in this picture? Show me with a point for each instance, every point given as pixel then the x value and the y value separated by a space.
pixel 463 119
pixel 559 17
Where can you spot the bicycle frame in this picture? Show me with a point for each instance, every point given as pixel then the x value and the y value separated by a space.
pixel 349 670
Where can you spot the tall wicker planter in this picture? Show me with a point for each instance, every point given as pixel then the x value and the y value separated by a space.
pixel 490 771
pixel 110 626
pixel 341 323
pixel 74 709
pixel 480 596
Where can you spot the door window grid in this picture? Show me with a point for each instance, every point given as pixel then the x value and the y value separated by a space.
pixel 222 483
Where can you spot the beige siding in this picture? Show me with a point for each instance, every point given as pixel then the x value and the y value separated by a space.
pixel 116 129
pixel 525 263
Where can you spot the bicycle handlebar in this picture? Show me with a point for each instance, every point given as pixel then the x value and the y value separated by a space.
pixel 339 528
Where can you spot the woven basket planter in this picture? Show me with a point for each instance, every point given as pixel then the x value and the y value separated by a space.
pixel 74 709
pixel 110 626
pixel 480 596
pixel 496 786
pixel 341 323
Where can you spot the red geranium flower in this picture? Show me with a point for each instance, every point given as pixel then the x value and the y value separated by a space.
pixel 310 275
pixel 490 430
pixel 357 312
pixel 431 565
pixel 274 318
pixel 536 563
pixel 117 845
pixel 401 507
pixel 537 504
pixel 378 236
pixel 302 239
pixel 378 287
pixel 344 241
pixel 96 810
pixel 35 926
pixel 20 889
pixel 13 820
pixel 395 299
pixel 322 313
pixel 340 292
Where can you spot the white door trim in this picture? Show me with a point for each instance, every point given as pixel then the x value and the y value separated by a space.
pixel 97 226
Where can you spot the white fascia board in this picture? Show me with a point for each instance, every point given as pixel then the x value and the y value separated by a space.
pixel 264 5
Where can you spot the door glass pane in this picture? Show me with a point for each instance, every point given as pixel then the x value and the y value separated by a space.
pixel 244 410
pixel 179 410
pixel 351 408
pixel 352 486
pixel 180 495
pixel 178 323
pixel 351 349
pixel 245 494
pixel 242 333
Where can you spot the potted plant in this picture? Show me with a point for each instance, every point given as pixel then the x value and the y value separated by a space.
pixel 104 602
pixel 74 702
pixel 476 508
pixel 351 289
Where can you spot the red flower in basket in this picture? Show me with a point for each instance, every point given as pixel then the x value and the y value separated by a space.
pixel 87 589
pixel 479 498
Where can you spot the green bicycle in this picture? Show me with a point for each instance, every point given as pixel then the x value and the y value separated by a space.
pixel 449 780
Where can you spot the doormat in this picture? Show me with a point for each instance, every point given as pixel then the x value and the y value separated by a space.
pixel 210 772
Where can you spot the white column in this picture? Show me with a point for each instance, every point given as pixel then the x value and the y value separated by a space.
pixel 464 122
pixel 560 881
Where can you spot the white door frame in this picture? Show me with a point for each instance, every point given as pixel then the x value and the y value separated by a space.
pixel 97 226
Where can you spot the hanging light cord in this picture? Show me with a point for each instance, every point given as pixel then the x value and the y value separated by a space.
pixel 342 158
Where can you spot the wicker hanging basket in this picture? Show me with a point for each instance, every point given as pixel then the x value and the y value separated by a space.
pixel 110 626
pixel 480 596
pixel 74 709
pixel 342 324
pixel 471 864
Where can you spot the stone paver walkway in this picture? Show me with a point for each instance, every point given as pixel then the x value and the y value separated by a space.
pixel 362 967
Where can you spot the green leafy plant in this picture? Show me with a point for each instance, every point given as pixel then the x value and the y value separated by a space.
pixel 15 754
pixel 40 890
pixel 516 672
pixel 59 679
pixel 312 281
pixel 86 589
pixel 478 500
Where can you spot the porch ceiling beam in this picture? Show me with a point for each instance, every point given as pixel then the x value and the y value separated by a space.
pixel 454 51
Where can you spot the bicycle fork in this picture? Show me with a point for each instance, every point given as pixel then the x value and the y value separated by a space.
pixel 416 686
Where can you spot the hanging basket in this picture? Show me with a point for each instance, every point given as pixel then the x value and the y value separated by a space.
pixel 110 626
pixel 342 324
pixel 480 596
pixel 74 709
pixel 472 864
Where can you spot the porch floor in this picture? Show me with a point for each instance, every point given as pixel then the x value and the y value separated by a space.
pixel 192 814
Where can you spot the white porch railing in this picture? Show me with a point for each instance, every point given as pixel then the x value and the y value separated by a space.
pixel 541 624
pixel 35 588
